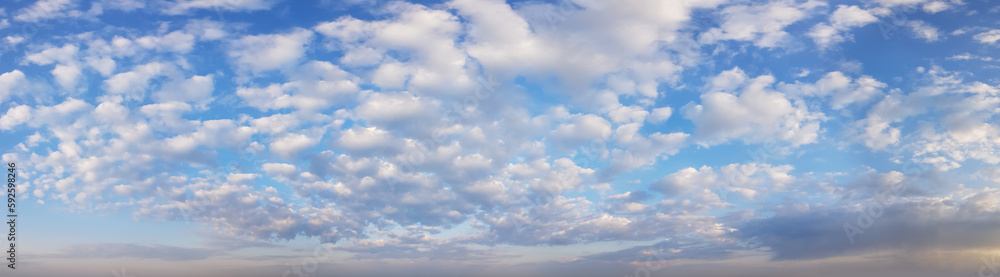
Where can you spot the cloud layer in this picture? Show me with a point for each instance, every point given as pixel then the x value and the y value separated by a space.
pixel 478 131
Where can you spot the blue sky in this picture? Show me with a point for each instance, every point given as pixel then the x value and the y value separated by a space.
pixel 493 138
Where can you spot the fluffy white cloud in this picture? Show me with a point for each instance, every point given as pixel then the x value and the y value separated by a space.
pixel 582 129
pixel 388 108
pixel 281 170
pixel 841 21
pixel 936 7
pixel 841 90
pixel 635 44
pixel 628 114
pixel 48 9
pixel 196 90
pixel 66 75
pixel 289 145
pixel 258 53
pixel 762 24
pixel 61 113
pixel 313 86
pixel 10 83
pixel 64 54
pixel 851 17
pixel 988 37
pixel 361 139
pixel 133 84
pixel 660 114
pixel 15 116
pixel 875 130
pixel 276 124
pixel 67 70
pixel 863 89
pixel 962 131
pixel 685 180
pixel 749 180
pixel 755 113
pixel 638 150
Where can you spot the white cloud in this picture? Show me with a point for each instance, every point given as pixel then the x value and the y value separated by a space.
pixel 15 116
pixel 764 24
pixel 362 139
pixel 259 53
pixel 628 114
pixel 474 161
pixel 863 89
pixel 841 21
pixel 851 17
pixel 313 86
pixel 241 178
pixel 988 37
pixel 968 56
pixel 842 90
pixel 67 111
pixel 391 76
pixel 176 41
pixel 924 31
pixel 362 56
pixel 196 90
pixel 289 145
pixel 271 97
pixel 751 180
pixel 387 108
pixel 660 114
pixel 895 3
pixel 876 132
pixel 175 7
pixel 348 29
pixel 66 75
pixel 638 150
pixel 106 66
pixel 936 7
pixel 206 29
pixel 134 83
pixel 324 80
pixel 10 83
pixel 582 129
pixel 281 170
pixel 48 9
pixel 825 35
pixel 12 40
pixel 65 54
pixel 276 124
pixel 755 114
pixel 67 70
pixel 964 131
pixel 162 116
pixel 685 180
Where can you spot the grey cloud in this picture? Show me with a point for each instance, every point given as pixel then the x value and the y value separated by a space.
pixel 914 225
pixel 129 250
